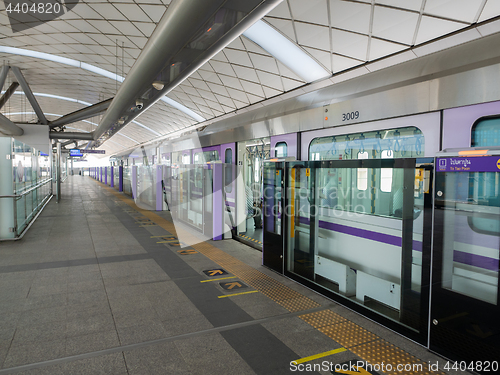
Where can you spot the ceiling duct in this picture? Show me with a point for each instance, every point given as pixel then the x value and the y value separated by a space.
pixel 189 34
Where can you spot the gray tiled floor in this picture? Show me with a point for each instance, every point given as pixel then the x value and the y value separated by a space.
pixel 87 291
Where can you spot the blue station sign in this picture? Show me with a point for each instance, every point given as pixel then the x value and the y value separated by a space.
pixel 469 164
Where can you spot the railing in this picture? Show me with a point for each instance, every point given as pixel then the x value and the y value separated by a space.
pixel 27 204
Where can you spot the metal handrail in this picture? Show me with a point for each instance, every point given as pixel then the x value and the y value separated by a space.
pixel 18 196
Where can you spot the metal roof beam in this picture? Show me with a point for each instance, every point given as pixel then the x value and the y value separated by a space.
pixel 81 114
pixel 29 95
pixel 8 127
pixel 8 93
pixel 71 135
pixel 3 75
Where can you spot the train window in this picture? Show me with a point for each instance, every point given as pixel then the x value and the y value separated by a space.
pixel 403 142
pixel 486 132
pixel 206 157
pixel 281 150
pixel 362 173
pixel 228 160
pixel 386 173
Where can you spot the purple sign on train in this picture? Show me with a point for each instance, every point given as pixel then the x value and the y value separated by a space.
pixel 469 164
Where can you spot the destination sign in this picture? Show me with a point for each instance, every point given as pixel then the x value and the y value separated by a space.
pixel 469 164
pixel 83 151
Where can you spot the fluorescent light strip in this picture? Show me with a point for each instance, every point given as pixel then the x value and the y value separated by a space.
pixel 287 52
pixel 182 108
pixel 81 102
pixel 54 114
pixel 52 96
pixel 90 68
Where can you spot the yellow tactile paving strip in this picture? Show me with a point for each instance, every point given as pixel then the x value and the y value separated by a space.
pixel 366 345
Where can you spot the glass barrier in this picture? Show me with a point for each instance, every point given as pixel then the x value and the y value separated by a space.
pixel 357 235
pixel 28 188
pixel 127 180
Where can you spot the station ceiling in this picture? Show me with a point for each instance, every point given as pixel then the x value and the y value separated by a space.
pixel 109 36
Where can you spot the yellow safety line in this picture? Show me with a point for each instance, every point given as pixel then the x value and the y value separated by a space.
pixel 320 355
pixel 169 241
pixel 222 278
pixel 238 294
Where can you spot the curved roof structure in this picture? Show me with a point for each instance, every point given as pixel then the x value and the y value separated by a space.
pixel 81 57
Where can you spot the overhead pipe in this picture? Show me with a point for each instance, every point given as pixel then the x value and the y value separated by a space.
pixel 29 94
pixel 71 135
pixel 81 114
pixel 8 93
pixel 9 128
pixel 179 25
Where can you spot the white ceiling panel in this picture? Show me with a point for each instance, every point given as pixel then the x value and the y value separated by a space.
pixel 431 28
pixel 460 10
pixel 349 44
pixel 313 36
pixel 490 10
pixel 350 16
pixel 380 48
pixel 406 4
pixel 394 25
pixel 311 11
pixel 284 26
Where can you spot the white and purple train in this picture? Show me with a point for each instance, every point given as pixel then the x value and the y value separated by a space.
pixel 380 191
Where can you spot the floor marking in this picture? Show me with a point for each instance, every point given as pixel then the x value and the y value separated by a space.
pixel 222 278
pixel 232 285
pixel 169 241
pixel 215 272
pixel 320 355
pixel 187 252
pixel 238 294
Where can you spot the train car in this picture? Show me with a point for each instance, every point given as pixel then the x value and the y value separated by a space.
pixel 341 188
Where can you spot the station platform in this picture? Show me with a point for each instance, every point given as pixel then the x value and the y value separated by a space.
pixel 100 286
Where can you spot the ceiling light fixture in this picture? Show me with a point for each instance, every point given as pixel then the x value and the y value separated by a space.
pixel 285 51
pixel 158 85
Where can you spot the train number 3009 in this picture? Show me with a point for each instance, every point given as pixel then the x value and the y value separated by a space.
pixel 350 116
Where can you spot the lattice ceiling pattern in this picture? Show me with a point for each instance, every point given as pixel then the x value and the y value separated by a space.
pixel 338 34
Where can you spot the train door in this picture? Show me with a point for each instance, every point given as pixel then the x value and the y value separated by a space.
pixel 465 292
pixel 251 156
pixel 274 215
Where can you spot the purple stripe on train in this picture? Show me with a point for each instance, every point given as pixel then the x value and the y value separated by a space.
pixel 475 260
pixel 363 233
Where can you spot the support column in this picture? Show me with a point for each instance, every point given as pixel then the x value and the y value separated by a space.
pixel 105 175
pixel 112 177
pixel 58 173
pixel 120 178
pixel 134 181
pixel 218 203
pixel 159 190
pixel 7 212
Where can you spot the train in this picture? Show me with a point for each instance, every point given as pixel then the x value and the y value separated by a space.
pixel 380 191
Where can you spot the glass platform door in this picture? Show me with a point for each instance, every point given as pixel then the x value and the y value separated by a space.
pixel 465 324
pixel 274 215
